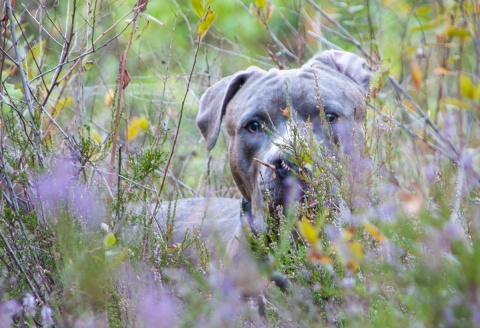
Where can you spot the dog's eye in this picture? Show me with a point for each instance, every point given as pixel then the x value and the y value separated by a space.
pixel 331 118
pixel 253 127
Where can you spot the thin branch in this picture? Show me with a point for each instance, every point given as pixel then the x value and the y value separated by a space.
pixel 36 135
pixel 121 87
pixel 63 54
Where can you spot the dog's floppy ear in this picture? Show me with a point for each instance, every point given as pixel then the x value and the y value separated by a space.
pixel 347 63
pixel 214 103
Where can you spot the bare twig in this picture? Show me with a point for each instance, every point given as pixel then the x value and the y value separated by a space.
pixel 26 87
pixel 270 166
pixel 182 107
pixel 121 87
pixel 64 53
pixel 20 266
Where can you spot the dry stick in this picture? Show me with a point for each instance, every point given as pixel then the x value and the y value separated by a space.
pixel 121 85
pixel 270 166
pixel 63 55
pixel 177 131
pixel 36 135
pixel 20 266
pixel 91 50
pixel 25 37
pixel 119 180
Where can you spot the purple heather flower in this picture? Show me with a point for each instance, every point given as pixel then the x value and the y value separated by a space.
pixel 61 188
pixel 29 305
pixel 46 315
pixel 348 282
pixel 158 309
pixel 431 172
pixel 8 309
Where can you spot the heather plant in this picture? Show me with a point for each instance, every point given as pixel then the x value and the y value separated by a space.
pixel 97 130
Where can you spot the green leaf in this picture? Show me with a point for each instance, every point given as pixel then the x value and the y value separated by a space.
pixel 198 7
pixel 115 257
pixel 150 17
pixel 109 240
pixel 380 77
pixel 206 22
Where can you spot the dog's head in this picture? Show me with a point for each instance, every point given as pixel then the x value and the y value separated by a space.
pixel 327 92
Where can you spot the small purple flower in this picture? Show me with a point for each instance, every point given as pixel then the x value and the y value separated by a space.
pixel 449 126
pixel 475 308
pixel 387 211
pixel 453 231
pixel 348 282
pixel 46 315
pixel 158 310
pixel 431 172
pixel 29 305
pixel 8 310
pixel 61 188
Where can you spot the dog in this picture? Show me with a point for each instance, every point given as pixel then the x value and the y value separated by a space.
pixel 328 93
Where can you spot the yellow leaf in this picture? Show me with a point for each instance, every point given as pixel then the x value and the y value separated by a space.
pixel 63 102
pixel 137 124
pixel 307 231
pixel 416 73
pixel 373 231
pixel 206 22
pixel 457 32
pixel 442 71
pixel 109 240
pixel 455 102
pixel 109 96
pixel 476 93
pixel 356 250
pixel 466 86
pixel 423 27
pixel 260 3
pixel 132 132
pixel 140 122
pixel 96 137
pixel 198 8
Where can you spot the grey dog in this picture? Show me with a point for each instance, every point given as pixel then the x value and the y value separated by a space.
pixel 253 102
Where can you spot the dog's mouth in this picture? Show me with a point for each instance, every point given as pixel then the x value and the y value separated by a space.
pixel 282 185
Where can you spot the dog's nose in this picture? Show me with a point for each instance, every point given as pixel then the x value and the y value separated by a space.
pixel 284 168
